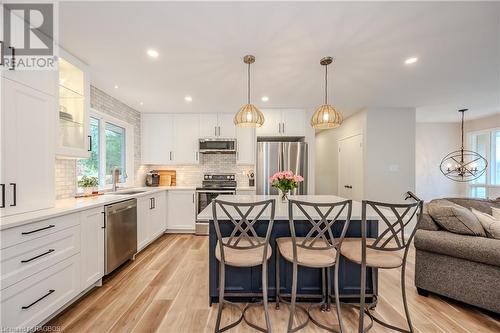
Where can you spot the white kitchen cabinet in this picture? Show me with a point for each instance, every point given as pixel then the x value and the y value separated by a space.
pixel 186 136
pixel 246 142
pixel 28 122
pixel 158 215
pixel 170 138
pixel 92 251
pixel 151 218
pixel 157 138
pixel 227 128
pixel 181 211
pixel 74 104
pixel 217 125
pixel 208 125
pixel 283 122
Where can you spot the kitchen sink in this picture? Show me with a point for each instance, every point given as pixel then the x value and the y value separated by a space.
pixel 126 192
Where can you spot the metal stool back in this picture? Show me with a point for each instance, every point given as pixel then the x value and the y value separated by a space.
pixel 243 237
pixel 400 223
pixel 319 238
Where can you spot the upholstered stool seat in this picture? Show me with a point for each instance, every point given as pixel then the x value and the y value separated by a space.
pixel 241 257
pixel 351 249
pixel 316 258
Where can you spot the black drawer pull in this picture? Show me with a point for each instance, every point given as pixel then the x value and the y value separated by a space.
pixel 1 53
pixel 37 230
pixel 38 300
pixel 13 65
pixel 90 143
pixel 38 256
pixel 14 194
pixel 3 196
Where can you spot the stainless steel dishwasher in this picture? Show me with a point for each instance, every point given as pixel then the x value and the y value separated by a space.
pixel 120 237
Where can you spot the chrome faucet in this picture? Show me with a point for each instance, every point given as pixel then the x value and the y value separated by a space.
pixel 115 175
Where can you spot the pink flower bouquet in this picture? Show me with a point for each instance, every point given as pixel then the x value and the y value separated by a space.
pixel 285 181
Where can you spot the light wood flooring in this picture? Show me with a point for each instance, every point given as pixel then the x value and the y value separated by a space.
pixel 166 290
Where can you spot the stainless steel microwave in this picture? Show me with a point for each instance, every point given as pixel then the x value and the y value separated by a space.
pixel 217 145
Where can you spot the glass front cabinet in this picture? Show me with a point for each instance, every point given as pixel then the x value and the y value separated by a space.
pixel 74 103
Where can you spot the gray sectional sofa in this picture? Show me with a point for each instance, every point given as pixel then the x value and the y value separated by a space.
pixel 465 268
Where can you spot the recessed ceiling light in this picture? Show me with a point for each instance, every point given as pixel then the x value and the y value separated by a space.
pixel 116 86
pixel 264 98
pixel 153 53
pixel 141 103
pixel 188 98
pixel 411 60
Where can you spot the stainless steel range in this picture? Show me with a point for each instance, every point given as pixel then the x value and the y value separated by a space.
pixel 213 185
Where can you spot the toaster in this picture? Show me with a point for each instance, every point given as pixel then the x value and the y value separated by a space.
pixel 152 179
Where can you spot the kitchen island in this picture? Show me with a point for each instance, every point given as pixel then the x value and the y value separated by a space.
pixel 248 280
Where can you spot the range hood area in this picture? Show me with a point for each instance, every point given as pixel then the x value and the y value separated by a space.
pixel 217 146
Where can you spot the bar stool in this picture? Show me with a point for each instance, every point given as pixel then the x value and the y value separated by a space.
pixel 242 248
pixel 318 249
pixel 388 251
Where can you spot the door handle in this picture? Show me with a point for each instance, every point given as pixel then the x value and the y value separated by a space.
pixel 170 155
pixel 1 53
pixel 279 127
pixel 37 230
pixel 150 203
pixel 283 127
pixel 3 196
pixel 193 197
pixel 14 194
pixel 13 52
pixel 154 203
pixel 90 143
pixel 37 256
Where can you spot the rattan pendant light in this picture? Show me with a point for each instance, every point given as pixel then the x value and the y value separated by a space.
pixel 326 117
pixel 249 115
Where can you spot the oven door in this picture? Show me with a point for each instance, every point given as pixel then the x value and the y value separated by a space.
pixel 204 199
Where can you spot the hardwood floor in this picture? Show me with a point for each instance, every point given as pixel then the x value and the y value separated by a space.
pixel 166 290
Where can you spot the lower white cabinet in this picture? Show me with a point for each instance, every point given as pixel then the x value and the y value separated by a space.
pixel 151 218
pixel 32 300
pixel 92 250
pixel 181 213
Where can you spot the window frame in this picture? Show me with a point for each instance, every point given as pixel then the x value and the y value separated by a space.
pixel 129 148
pixel 488 185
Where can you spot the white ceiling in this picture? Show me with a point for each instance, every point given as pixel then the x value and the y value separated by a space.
pixel 201 46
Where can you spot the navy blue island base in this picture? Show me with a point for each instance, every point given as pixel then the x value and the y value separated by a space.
pixel 247 281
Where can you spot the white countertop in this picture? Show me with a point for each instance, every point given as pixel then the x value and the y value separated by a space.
pixel 281 212
pixel 72 205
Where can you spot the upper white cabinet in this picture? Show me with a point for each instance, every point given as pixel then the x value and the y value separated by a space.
pixel 186 135
pixel 170 138
pixel 181 211
pixel 283 122
pixel 28 121
pixel 246 142
pixel 217 125
pixel 74 104
pixel 157 137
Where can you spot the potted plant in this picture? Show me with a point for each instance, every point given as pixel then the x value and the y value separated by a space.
pixel 89 184
pixel 285 182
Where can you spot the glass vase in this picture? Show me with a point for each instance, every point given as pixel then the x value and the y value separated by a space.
pixel 284 196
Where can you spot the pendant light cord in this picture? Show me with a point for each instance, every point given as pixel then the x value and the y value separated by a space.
pixel 248 83
pixel 463 130
pixel 326 84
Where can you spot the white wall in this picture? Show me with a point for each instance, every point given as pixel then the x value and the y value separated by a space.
pixel 326 162
pixel 433 142
pixel 389 153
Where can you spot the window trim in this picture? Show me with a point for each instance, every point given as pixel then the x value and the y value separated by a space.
pixel 129 148
pixel 489 154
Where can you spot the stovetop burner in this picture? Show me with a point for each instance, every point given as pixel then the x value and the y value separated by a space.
pixel 219 181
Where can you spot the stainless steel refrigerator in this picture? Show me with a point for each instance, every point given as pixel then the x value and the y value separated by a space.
pixel 280 156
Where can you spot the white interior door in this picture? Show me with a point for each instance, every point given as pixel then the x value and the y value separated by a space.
pixel 350 183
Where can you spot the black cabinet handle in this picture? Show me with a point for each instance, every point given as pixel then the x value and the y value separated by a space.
pixel 38 300
pixel 150 203
pixel 90 143
pixel 38 256
pixel 1 53
pixel 154 203
pixel 13 52
pixel 3 196
pixel 37 230
pixel 14 194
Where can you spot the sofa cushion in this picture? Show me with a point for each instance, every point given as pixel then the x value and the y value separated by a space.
pixel 455 218
pixel 478 249
pixel 490 224
pixel 482 205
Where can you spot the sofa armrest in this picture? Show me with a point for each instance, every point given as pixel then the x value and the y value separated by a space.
pixel 427 223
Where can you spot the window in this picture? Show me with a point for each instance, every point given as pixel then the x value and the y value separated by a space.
pixel 486 143
pixel 110 138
